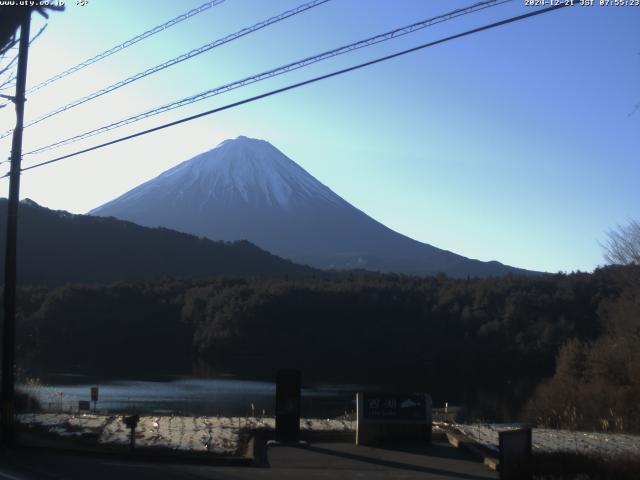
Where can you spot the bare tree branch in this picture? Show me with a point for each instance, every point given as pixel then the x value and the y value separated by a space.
pixel 8 65
pixel 39 33
pixel 15 58
pixel 623 244
pixel 7 82
pixel 9 45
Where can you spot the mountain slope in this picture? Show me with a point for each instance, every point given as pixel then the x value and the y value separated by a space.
pixel 247 189
pixel 56 247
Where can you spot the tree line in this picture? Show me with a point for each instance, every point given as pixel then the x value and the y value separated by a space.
pixel 437 333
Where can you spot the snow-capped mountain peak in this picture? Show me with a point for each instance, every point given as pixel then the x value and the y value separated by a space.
pixel 248 168
pixel 246 189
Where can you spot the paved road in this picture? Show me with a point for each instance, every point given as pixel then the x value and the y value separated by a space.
pixel 318 461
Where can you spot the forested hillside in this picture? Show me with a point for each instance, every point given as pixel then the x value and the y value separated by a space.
pixel 438 333
pixel 56 247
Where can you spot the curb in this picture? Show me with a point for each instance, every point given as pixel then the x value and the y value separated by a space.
pixel 487 456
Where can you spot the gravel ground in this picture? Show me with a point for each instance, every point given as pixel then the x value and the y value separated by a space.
pixel 219 435
pixel 604 445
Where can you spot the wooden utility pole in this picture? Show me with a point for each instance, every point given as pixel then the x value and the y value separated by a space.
pixel 9 325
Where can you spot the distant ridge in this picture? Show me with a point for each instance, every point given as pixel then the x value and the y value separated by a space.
pixel 247 189
pixel 56 247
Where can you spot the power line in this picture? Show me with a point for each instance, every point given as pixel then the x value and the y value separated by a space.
pixel 181 58
pixel 126 44
pixel 301 84
pixel 398 32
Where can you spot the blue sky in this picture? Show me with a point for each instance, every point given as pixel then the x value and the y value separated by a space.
pixel 514 144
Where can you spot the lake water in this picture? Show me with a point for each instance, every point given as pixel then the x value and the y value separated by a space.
pixel 190 396
pixel 235 396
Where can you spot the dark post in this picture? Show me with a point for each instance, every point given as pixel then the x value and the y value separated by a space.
pixel 288 384
pixel 132 422
pixel 94 397
pixel 9 327
pixel 515 454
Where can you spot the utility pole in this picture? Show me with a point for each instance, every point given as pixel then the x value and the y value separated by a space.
pixel 9 325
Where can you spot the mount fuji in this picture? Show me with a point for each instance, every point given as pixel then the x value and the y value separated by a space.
pixel 246 189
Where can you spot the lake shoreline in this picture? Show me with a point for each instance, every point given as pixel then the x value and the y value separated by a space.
pixel 236 438
pixel 227 437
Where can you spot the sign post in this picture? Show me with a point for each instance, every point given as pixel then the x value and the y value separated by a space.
pixel 132 422
pixel 94 397
pixel 288 385
pixel 393 417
